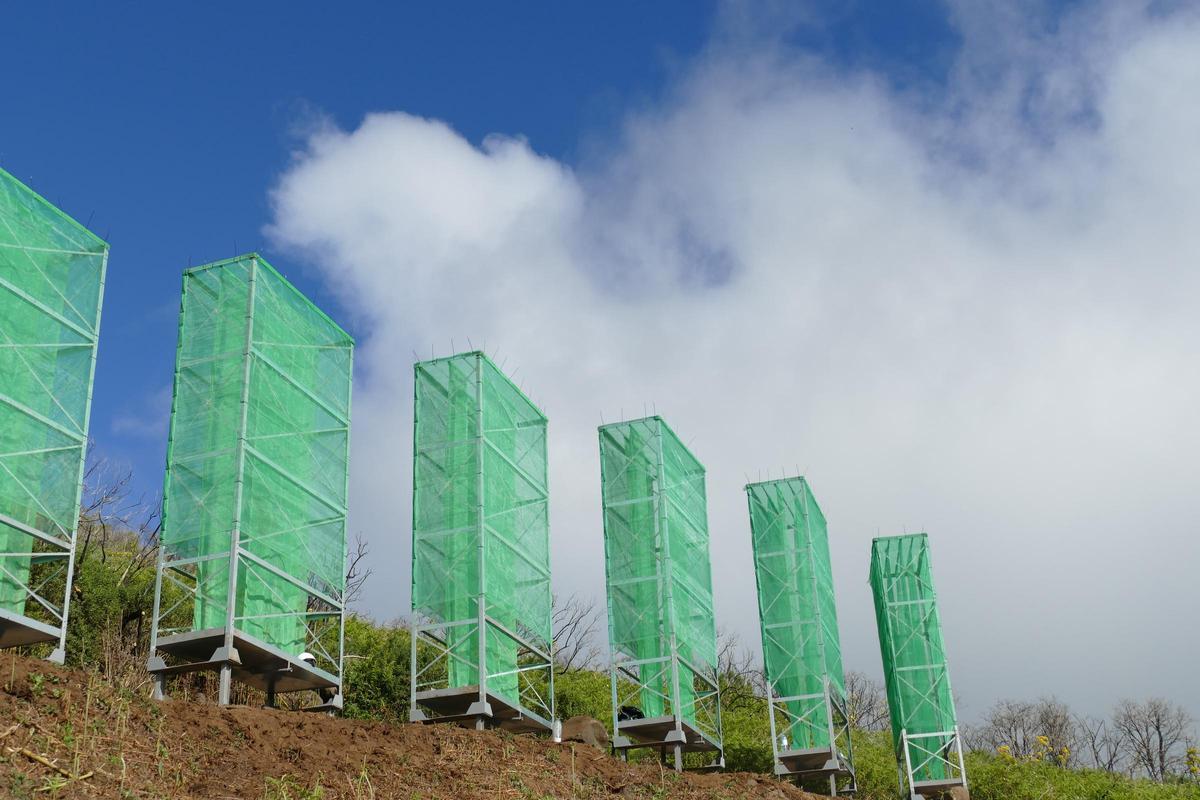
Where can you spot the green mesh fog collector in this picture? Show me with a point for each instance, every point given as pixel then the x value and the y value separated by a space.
pixel 481 550
pixel 802 653
pixel 662 635
pixel 929 752
pixel 250 579
pixel 51 287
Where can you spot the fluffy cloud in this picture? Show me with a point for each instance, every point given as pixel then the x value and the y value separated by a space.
pixel 970 311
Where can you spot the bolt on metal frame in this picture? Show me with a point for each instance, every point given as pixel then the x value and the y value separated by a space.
pixel 482 636
pixel 806 694
pixel 51 292
pixel 929 753
pixel 662 635
pixel 250 574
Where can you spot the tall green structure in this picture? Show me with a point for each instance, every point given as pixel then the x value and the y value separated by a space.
pixel 51 289
pixel 481 550
pixel 251 573
pixel 802 653
pixel 661 631
pixel 924 727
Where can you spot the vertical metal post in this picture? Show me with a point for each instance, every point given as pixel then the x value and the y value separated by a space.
pixel 412 671
pixel 908 771
pixel 60 653
pixel 481 530
pixel 849 745
pixel 163 521
pixel 345 544
pixel 416 628
pixel 774 732
pixel 962 767
pixel 829 718
pixel 156 678
pixel 660 517
pixel 238 483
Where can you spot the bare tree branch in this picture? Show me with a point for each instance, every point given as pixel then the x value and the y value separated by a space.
pixel 740 677
pixel 357 570
pixel 1103 745
pixel 866 703
pixel 574 623
pixel 1154 732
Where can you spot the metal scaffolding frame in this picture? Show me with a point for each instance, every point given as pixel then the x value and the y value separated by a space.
pixel 51 291
pixel 929 753
pixel 251 568
pixel 662 636
pixel 482 639
pixel 806 695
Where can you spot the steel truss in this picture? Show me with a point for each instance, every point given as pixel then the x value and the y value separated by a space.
pixel 801 647
pixel 679 730
pixel 480 650
pixel 823 715
pixel 220 595
pixel 51 292
pixel 929 752
pixel 435 645
pixel 661 633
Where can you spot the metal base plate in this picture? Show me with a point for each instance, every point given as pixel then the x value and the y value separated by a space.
pixel 258 664
pixel 17 630
pixel 936 788
pixel 813 762
pixel 455 705
pixel 659 731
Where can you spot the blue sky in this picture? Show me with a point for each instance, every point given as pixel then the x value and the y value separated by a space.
pixel 163 127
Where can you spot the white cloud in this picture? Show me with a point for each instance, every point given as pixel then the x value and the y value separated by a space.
pixel 973 314
pixel 150 420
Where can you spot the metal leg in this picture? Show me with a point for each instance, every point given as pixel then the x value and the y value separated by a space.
pixel 271 695
pixel 157 681
pixel 678 758
pixel 226 684
pixel 480 724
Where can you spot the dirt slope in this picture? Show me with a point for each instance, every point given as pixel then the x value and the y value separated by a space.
pixel 69 734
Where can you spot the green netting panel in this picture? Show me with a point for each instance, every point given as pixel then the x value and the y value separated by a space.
pixel 914 656
pixel 801 648
pixel 480 516
pixel 657 563
pixel 259 444
pixel 51 286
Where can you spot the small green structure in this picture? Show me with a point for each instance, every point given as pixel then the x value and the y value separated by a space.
pixel 51 290
pixel 802 653
pixel 251 572
pixel 924 727
pixel 481 550
pixel 661 631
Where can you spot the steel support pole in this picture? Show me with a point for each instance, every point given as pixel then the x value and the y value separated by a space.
pixel 226 684
pixel 481 529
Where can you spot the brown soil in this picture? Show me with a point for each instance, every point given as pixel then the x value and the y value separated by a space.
pixel 68 733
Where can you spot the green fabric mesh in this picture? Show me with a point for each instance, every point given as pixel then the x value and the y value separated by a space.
pixel 656 559
pixel 51 285
pixel 476 432
pixel 801 648
pixel 279 474
pixel 914 655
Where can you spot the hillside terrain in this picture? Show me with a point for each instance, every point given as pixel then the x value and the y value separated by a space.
pixel 68 733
